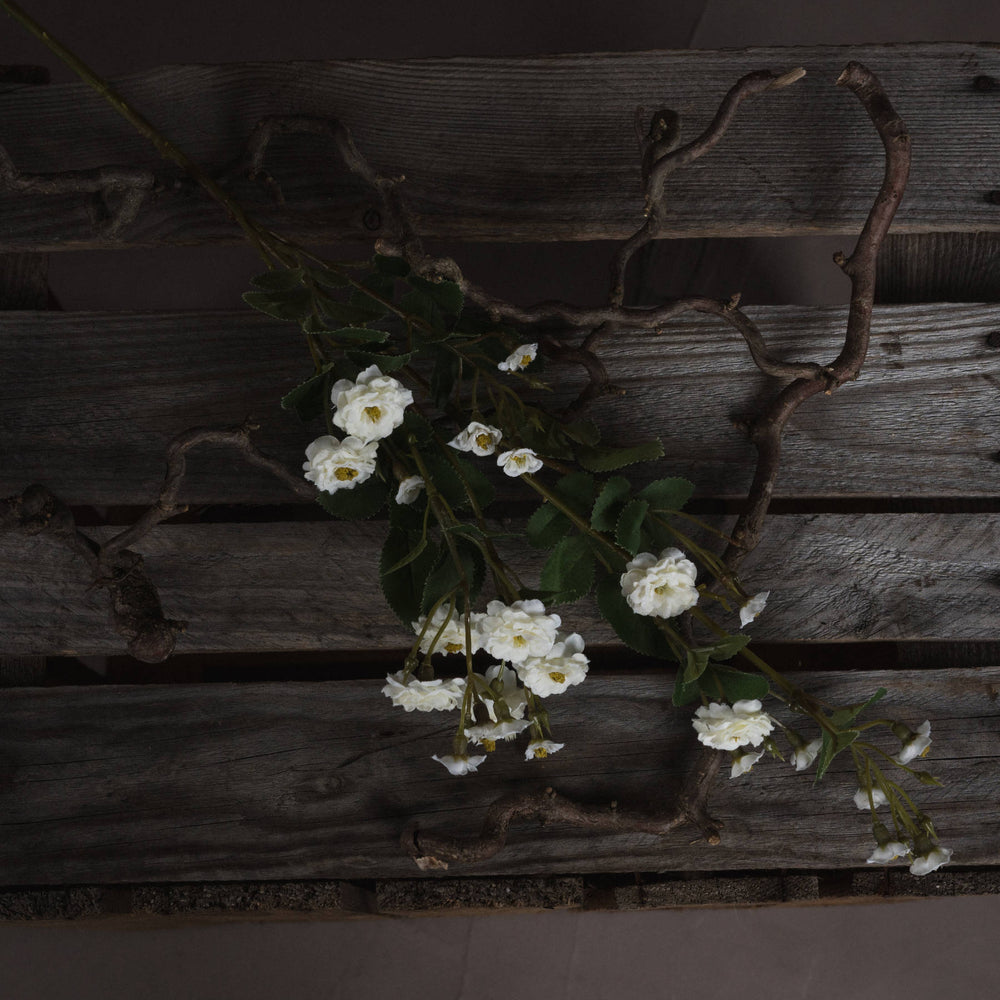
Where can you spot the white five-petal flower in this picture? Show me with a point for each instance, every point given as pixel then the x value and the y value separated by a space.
pixel 452 638
pixel 371 407
pixel 916 745
pixel 753 607
pixel 459 765
pixel 339 465
pixel 409 489
pixel 519 461
pixel 889 851
pixel 726 727
pixel 513 695
pixel 540 749
pixel 877 799
pixel 563 666
pixel 517 631
pixel 743 760
pixel 424 696
pixel 803 756
pixel 931 860
pixel 488 733
pixel 480 439
pixel 662 587
pixel 521 358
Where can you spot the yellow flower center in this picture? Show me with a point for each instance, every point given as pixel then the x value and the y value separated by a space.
pixel 661 590
pixel 344 474
pixel 519 641
pixel 489 745
pixel 484 440
pixel 557 676
pixel 453 647
pixel 519 460
pixel 373 413
pixel 541 752
pixel 525 360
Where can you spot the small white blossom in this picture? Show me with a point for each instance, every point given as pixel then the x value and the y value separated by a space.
pixel 519 461
pixel 540 749
pixel 512 694
pixel 889 851
pixel 753 607
pixel 372 407
pixel 521 358
pixel 480 439
pixel 663 587
pixel 931 860
pixel 916 745
pixel 563 666
pixel 409 489
pixel 424 696
pixel 516 632
pixel 725 727
pixel 488 733
pixel 452 638
pixel 459 765
pixel 339 465
pixel 743 760
pixel 861 798
pixel 804 756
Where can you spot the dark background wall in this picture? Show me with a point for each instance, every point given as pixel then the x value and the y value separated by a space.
pixel 915 949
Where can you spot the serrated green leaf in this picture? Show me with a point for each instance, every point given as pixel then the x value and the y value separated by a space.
pixel 454 477
pixel 309 398
pixel 577 491
pixel 668 494
pixel 418 426
pixel 609 503
pixel 292 306
pixel 845 716
pixel 569 570
pixel 583 432
pixel 727 648
pixel 386 362
pixel 409 557
pixel 382 288
pixel 327 279
pixel 697 662
pixel 404 588
pixel 605 459
pixel 448 296
pixel 546 526
pixel 444 375
pixel 685 692
pixel 446 578
pixel 628 530
pixel 278 280
pixel 364 501
pixel 737 685
pixel 421 306
pixel 833 745
pixel 335 315
pixel 345 334
pixel 395 267
pixel 474 480
pixel 636 631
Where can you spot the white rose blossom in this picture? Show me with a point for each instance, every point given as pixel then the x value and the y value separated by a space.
pixel 488 733
pixel 743 761
pixel 452 638
pixel 409 489
pixel 563 666
pixel 480 439
pixel 803 756
pixel 930 860
pixel 726 727
pixel 517 631
pixel 915 745
pixel 877 799
pixel 371 407
pixel 459 765
pixel 512 694
pixel 753 607
pixel 520 358
pixel 424 696
pixel 519 461
pixel 540 749
pixel 662 587
pixel 887 852
pixel 339 465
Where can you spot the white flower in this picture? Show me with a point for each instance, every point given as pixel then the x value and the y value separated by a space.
pixel 521 358
pixel 861 798
pixel 459 765
pixel 563 666
pixel 931 860
pixel 540 749
pixel 512 695
pixel 424 696
pixel 519 461
pixel 372 407
pixel 726 728
pixel 804 756
pixel 452 638
pixel 743 760
pixel 889 851
pixel 516 632
pixel 481 439
pixel 409 489
pixel 487 733
pixel 339 465
pixel 662 587
pixel 753 607
pixel 916 745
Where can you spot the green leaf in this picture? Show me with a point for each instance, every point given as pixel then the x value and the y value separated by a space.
pixel 409 557
pixel 832 745
pixel 636 631
pixel 569 571
pixel 423 307
pixel 452 482
pixel 345 334
pixel 583 432
pixel 382 286
pixel 605 459
pixel 697 662
pixel 546 526
pixel 845 716
pixel 279 280
pixel 610 503
pixel 668 494
pixel 685 692
pixel 326 278
pixel 418 426
pixel 308 399
pixel 292 305
pixel 577 491
pixel 404 587
pixel 335 314
pixel 446 295
pixel 395 267
pixel 727 648
pixel 444 374
pixel 446 578
pixel 628 531
pixel 363 501
pixel 476 480
pixel 386 362
pixel 737 685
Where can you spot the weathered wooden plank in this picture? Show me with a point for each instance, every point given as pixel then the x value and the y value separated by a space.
pixel 287 781
pixel 939 267
pixel 535 148
pixel 90 401
pixel 313 586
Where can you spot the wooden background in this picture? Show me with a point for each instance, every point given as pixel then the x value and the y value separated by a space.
pixel 881 553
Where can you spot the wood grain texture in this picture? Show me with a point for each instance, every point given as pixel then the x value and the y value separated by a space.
pixel 539 148
pixel 288 781
pixel 939 267
pixel 90 401
pixel 313 586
